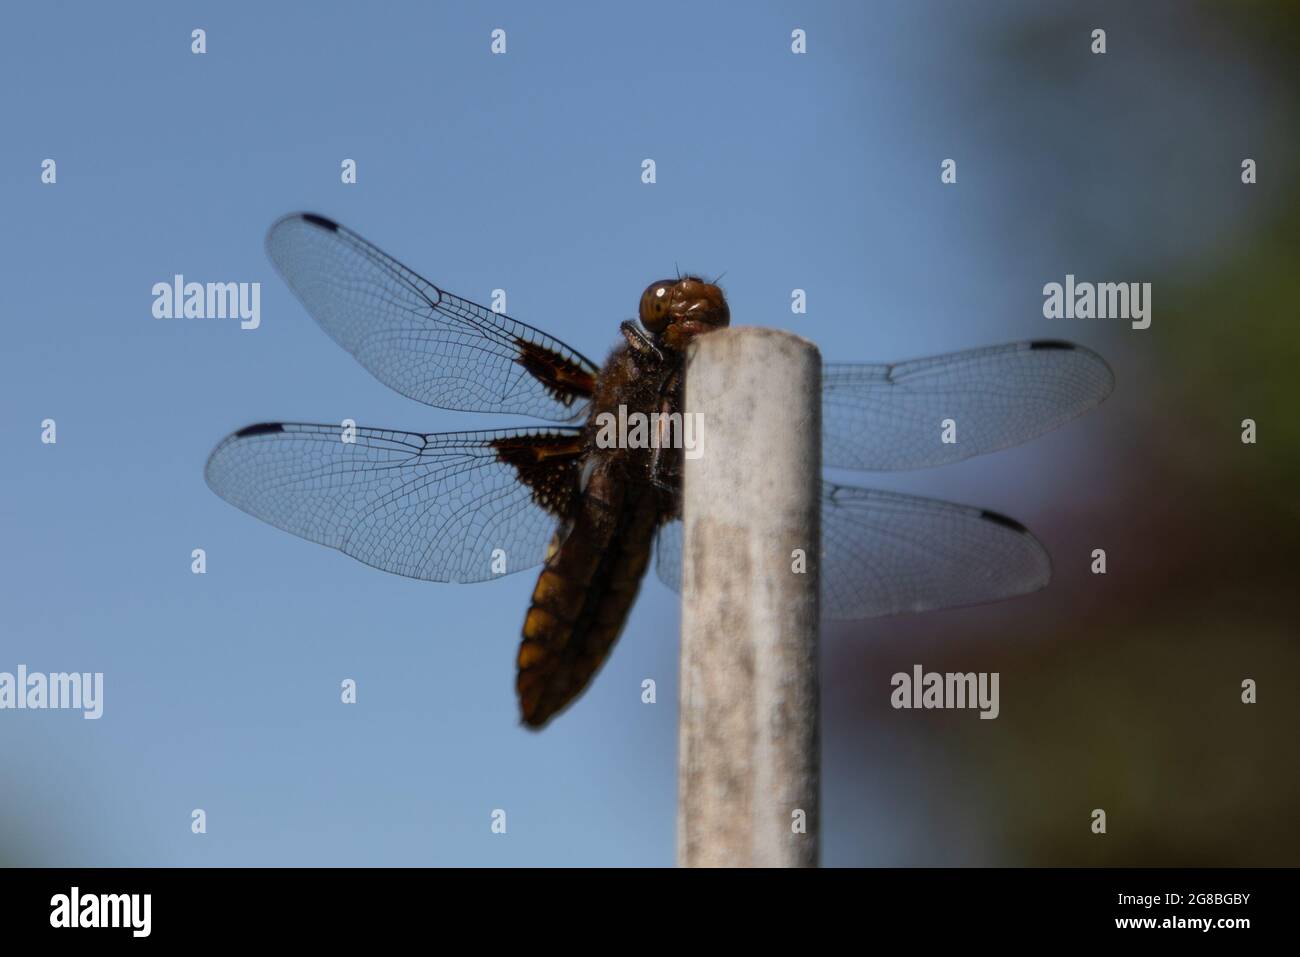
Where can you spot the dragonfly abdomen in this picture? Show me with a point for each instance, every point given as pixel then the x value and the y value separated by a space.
pixel 584 594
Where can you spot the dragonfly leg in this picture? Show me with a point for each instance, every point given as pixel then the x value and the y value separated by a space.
pixel 640 342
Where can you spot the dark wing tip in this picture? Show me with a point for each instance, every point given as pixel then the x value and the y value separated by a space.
pixel 1104 366
pixel 999 519
pixel 261 428
pixel 274 234
pixel 1045 576
pixel 318 220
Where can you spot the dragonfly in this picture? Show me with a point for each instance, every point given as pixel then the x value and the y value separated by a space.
pixel 472 506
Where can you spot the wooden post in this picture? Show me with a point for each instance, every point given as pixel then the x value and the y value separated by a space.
pixel 748 783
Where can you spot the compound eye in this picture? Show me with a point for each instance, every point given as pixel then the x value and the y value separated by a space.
pixel 654 306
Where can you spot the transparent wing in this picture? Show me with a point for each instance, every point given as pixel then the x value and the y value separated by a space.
pixel 668 554
pixel 421 340
pixel 434 507
pixel 885 553
pixel 891 416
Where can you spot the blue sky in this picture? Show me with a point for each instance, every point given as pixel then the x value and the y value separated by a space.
pixel 521 172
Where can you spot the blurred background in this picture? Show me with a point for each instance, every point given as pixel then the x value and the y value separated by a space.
pixel 522 172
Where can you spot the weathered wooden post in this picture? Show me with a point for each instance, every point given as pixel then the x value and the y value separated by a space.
pixel 748 762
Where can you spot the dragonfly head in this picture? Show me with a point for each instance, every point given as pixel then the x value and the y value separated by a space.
pixel 675 311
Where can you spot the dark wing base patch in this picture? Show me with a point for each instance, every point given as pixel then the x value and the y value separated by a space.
pixel 440 507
